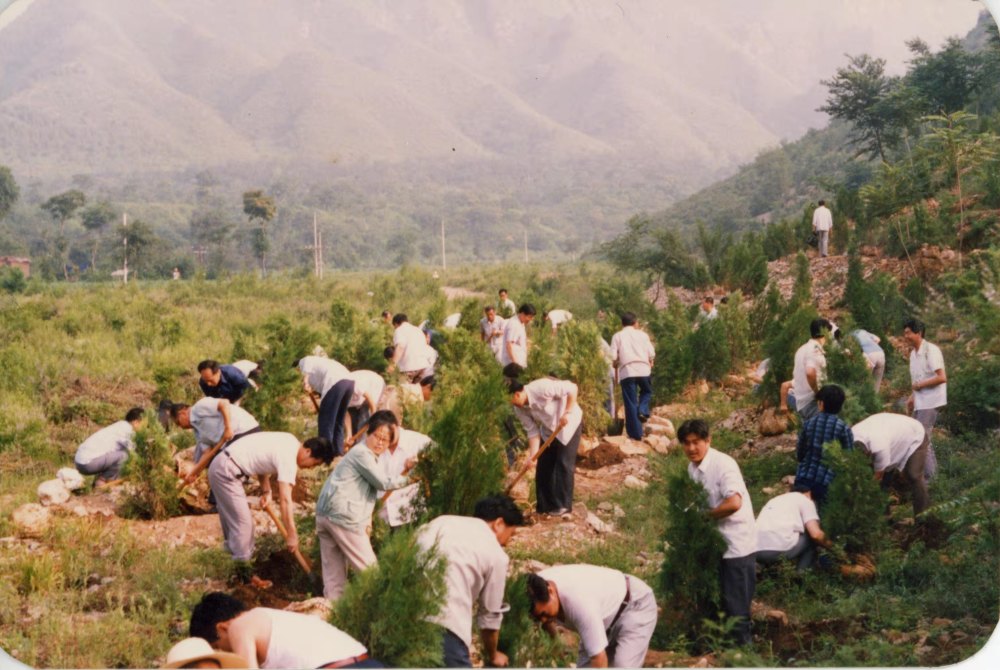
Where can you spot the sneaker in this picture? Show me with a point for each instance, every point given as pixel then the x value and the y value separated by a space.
pixel 557 513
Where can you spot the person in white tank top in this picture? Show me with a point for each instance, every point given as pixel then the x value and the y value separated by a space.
pixel 270 638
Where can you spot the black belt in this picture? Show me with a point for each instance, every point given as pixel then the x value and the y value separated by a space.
pixel 243 475
pixel 625 602
pixel 347 661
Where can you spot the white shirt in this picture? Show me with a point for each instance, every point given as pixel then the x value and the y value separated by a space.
pixel 246 367
pixel 590 596
pixel 452 320
pixel 923 363
pixel 366 381
pixel 514 334
pixel 822 218
pixel 305 641
pixel 267 454
pixel 417 354
pixel 477 572
pixel 206 419
pixel 507 305
pixel 710 315
pixel 633 353
pixel 488 328
pixel 547 400
pixel 721 477
pixel 557 317
pixel 322 373
pixel 783 520
pixel 890 438
pixel 809 355
pixel 398 507
pixel 118 435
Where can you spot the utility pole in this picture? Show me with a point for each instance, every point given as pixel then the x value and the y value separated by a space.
pixel 526 244
pixel 444 260
pixel 317 248
pixel 199 253
pixel 125 243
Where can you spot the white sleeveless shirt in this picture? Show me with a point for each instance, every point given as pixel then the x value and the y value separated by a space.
pixel 304 641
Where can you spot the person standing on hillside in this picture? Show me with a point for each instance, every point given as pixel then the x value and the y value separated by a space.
pixel 823 427
pixel 222 381
pixel 491 329
pixel 331 380
pixel 613 613
pixel 515 337
pixel 476 573
pixel 873 353
pixel 104 452
pixel 822 224
pixel 505 305
pixel 731 507
pixel 809 369
pixel 633 355
pixel 546 406
pixel 929 383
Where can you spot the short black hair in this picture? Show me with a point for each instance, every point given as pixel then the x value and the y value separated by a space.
pixel 208 364
pixel 383 417
pixel 822 202
pixel 527 308
pixel 514 386
pixel 817 326
pixel 176 408
pixel 295 363
pixel 389 352
pixel 215 608
pixel 709 299
pixel 803 488
pixel 489 308
pixel 134 414
pixel 503 290
pixel 833 398
pixel 697 427
pixel 429 380
pixel 538 588
pixel 499 506
pixel 628 318
pixel 386 313
pixel 321 448
pixel 398 319
pixel 916 326
pixel 512 371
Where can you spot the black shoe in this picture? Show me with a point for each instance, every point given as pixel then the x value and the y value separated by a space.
pixel 643 418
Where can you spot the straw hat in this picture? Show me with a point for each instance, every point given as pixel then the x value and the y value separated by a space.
pixel 194 649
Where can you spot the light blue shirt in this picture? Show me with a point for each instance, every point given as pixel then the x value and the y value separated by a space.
pixel 349 493
pixel 866 340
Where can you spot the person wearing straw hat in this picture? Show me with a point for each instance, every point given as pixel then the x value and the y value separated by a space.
pixel 195 652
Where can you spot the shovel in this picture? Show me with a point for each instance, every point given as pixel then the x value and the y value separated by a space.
pixel 303 561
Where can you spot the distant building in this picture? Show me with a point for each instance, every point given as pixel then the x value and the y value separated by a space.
pixel 22 264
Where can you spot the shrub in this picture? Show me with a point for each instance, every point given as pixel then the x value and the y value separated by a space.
pixel 802 290
pixel 152 493
pixel 854 513
pixel 710 350
pixel 736 319
pixel 12 280
pixel 385 607
pixel 846 367
pixel 356 341
pixel 674 357
pixel 973 389
pixel 689 578
pixel 522 639
pixel 577 357
pixel 790 332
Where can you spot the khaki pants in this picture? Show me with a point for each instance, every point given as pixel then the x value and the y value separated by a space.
pixel 876 363
pixel 340 548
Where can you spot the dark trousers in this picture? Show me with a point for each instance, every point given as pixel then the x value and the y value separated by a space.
pixel 738 579
pixel 456 653
pixel 636 394
pixel 332 409
pixel 804 552
pixel 913 473
pixel 554 475
pixel 359 415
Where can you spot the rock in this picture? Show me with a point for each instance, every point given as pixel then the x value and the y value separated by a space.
pixel 31 520
pixel 659 443
pixel 52 492
pixel 788 480
pixel 633 448
pixel 768 490
pixel 772 423
pixel 660 426
pixel 72 479
pixel 777 616
pixel 605 507
pixel 317 607
pixel 79 510
pixel 600 526
pixel 618 512
pixel 633 482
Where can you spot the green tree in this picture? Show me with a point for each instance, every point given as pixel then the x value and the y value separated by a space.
pixel 95 218
pixel 656 251
pixel 260 208
pixel 944 82
pixel 62 208
pixel 138 238
pixel 9 191
pixel 802 290
pixel 861 95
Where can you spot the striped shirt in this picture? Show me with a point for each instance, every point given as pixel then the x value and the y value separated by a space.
pixel 816 432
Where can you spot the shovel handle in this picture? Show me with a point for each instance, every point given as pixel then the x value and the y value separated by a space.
pixel 303 561
pixel 531 461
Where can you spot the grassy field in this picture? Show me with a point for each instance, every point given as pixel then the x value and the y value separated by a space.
pixel 93 592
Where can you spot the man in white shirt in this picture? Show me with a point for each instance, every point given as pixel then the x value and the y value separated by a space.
pixel 261 455
pixel 730 505
pixel 633 354
pixel 708 312
pixel 491 330
pixel 332 382
pixel 217 423
pixel 929 383
pixel 476 573
pixel 809 370
pixel 822 223
pixel 557 317
pixel 788 527
pixel 515 337
pixel 369 387
pixel 104 452
pixel 546 406
pixel 270 638
pixel 613 613
pixel 505 305
pixel 896 443
pixel 411 353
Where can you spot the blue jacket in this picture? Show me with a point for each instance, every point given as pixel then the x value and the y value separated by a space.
pixel 232 385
